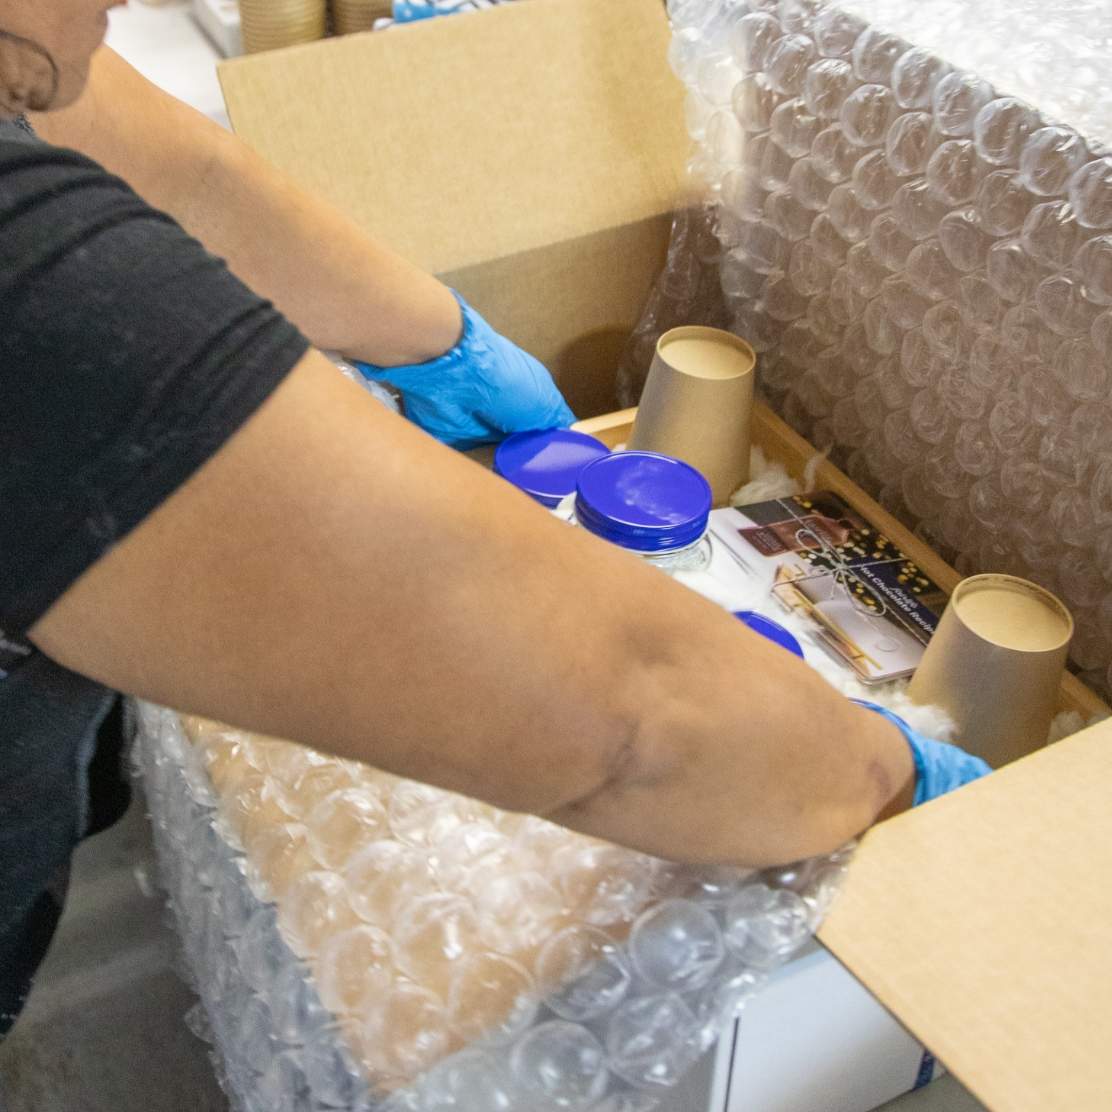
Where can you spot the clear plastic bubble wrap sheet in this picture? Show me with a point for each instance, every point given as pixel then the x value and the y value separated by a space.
pixel 912 208
pixel 367 943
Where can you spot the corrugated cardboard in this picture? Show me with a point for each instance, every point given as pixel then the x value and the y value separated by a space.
pixel 983 920
pixel 529 156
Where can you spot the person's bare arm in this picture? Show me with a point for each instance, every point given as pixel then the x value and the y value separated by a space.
pixel 342 289
pixel 335 576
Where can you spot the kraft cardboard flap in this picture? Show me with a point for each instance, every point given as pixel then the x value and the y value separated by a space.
pixel 478 136
pixel 983 921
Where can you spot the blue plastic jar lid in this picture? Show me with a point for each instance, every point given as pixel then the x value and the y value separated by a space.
pixel 766 627
pixel 643 501
pixel 546 464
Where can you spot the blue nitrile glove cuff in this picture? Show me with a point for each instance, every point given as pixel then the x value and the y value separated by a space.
pixel 480 391
pixel 939 767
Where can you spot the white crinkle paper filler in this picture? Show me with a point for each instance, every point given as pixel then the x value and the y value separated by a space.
pixel 770 480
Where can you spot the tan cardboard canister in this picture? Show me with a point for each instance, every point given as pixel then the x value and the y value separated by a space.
pixel 698 405
pixel 995 664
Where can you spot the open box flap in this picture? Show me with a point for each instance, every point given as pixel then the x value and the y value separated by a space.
pixel 545 139
pixel 471 138
pixel 983 921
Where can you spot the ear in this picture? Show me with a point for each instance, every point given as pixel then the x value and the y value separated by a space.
pixel 28 76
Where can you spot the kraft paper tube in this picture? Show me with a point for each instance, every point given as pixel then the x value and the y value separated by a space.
pixel 269 24
pixel 995 663
pixel 350 16
pixel 698 403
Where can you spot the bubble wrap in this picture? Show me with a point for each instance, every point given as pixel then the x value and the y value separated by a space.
pixel 913 214
pixel 368 943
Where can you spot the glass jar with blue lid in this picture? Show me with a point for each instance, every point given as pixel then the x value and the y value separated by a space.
pixel 546 464
pixel 650 504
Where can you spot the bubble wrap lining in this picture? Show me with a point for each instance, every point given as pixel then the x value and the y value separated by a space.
pixel 909 215
pixel 1053 55
pixel 363 942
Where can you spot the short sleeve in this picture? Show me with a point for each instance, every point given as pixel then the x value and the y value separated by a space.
pixel 128 356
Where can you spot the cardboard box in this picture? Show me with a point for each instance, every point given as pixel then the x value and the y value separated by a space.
pixel 977 921
pixel 531 156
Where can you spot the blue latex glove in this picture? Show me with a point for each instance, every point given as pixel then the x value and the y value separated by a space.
pixel 939 768
pixel 409 11
pixel 479 392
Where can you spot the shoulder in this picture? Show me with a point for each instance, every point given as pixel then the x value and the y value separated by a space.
pixel 19 129
pixel 38 180
pixel 55 202
pixel 22 151
pixel 29 167
pixel 128 355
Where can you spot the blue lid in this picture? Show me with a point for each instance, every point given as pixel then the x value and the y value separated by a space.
pixel 546 464
pixel 643 501
pixel 770 629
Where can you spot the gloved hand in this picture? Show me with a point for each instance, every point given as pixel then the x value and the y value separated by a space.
pixel 939 767
pixel 479 392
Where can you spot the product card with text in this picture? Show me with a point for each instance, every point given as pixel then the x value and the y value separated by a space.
pixel 871 606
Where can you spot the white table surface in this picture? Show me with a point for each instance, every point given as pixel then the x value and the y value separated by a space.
pixel 165 44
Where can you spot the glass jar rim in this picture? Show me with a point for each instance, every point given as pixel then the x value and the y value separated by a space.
pixel 644 501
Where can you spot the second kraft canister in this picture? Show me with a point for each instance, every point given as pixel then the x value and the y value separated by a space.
pixel 995 664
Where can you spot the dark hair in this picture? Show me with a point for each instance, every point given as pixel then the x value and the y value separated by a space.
pixel 34 104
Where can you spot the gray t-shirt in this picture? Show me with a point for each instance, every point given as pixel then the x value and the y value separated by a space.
pixel 49 722
pixel 13 651
pixel 17 129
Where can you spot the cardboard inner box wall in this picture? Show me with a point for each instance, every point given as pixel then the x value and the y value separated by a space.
pixel 531 156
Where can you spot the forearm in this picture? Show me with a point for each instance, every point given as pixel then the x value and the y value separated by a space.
pixel 737 728
pixel 747 744
pixel 345 291
pixel 334 576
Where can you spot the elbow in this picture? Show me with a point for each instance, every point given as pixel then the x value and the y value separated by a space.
pixel 701 797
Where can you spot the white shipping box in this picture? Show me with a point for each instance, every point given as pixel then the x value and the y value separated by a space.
pixel 816 1040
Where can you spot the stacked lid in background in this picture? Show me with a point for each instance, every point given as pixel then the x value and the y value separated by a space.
pixel 349 16
pixel 270 24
